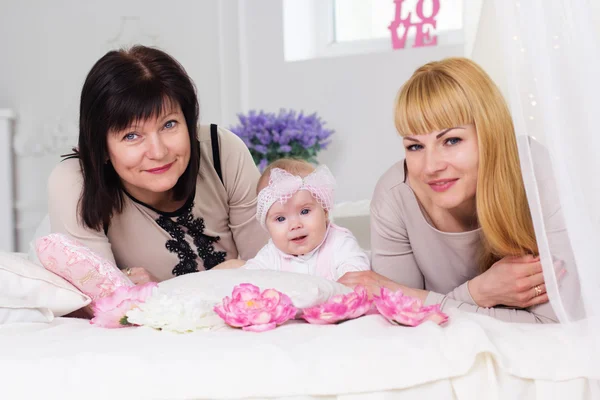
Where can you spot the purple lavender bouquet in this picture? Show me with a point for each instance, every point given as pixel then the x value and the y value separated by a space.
pixel 271 136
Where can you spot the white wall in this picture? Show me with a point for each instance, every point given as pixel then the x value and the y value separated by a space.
pixel 354 94
pixel 7 216
pixel 233 49
pixel 47 48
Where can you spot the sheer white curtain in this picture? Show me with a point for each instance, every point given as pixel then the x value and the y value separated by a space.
pixel 552 65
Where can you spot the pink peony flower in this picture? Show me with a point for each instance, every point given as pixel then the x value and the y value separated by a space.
pixel 406 310
pixel 254 311
pixel 109 311
pixel 339 308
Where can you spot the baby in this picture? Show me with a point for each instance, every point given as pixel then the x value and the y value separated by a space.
pixel 294 201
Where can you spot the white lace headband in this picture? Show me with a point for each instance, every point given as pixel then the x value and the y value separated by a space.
pixel 283 185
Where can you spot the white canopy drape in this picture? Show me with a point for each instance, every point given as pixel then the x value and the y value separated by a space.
pixel 552 65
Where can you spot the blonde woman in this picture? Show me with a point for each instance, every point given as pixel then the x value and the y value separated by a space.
pixel 451 224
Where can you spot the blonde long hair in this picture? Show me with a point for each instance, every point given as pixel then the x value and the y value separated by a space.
pixel 457 91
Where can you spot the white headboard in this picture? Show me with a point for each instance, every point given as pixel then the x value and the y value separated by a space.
pixel 7 192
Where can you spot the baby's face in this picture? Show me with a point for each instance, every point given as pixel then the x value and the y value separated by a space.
pixel 299 225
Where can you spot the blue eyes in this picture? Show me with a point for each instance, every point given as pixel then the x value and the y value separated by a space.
pixel 448 142
pixel 130 136
pixel 305 211
pixel 453 141
pixel 414 147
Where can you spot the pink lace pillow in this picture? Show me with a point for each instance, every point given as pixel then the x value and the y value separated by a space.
pixel 84 269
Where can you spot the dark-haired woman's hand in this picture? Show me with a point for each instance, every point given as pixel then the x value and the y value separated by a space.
pixel 139 275
pixel 512 281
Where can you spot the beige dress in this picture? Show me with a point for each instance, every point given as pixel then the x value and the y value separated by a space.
pixel 217 223
pixel 409 250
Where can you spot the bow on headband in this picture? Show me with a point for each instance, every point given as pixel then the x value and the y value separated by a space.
pixel 283 185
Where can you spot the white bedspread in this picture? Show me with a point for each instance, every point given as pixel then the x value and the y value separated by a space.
pixel 473 357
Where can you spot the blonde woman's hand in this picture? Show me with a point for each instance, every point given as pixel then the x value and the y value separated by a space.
pixel 139 275
pixel 373 282
pixel 512 281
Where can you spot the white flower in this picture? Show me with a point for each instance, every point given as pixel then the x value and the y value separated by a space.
pixel 178 311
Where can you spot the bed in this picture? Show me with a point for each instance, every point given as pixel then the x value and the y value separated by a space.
pixel 472 357
pixel 469 357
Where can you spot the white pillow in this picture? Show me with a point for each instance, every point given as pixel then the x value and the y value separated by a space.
pixel 30 293
pixel 304 290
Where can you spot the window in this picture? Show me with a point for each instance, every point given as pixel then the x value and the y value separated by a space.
pixel 326 28
pixel 369 19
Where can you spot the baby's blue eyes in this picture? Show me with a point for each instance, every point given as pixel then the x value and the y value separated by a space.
pixel 304 211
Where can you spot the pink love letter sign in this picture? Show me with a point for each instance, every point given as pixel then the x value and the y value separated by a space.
pixel 424 29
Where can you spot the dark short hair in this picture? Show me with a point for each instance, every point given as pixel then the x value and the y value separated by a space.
pixel 125 86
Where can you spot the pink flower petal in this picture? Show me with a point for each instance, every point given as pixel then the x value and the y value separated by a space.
pixel 112 318
pixel 142 292
pixel 108 303
pixel 323 318
pixel 263 317
pixel 272 294
pixel 110 310
pixel 405 310
pixel 339 308
pixel 245 292
pixel 248 307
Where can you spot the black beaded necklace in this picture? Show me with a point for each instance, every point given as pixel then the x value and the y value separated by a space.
pixel 188 259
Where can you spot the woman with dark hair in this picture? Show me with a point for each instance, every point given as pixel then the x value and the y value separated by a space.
pixel 147 188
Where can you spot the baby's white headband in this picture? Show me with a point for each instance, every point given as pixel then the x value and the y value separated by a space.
pixel 283 185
